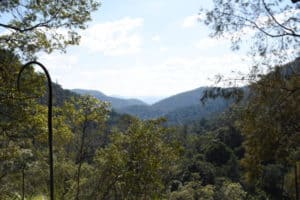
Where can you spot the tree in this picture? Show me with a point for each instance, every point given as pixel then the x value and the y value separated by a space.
pixel 218 153
pixel 82 115
pixel 272 26
pixel 35 25
pixel 194 191
pixel 232 191
pixel 18 122
pixel 272 180
pixel 136 162
pixel 270 122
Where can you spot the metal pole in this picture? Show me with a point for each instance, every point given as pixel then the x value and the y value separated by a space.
pixel 50 133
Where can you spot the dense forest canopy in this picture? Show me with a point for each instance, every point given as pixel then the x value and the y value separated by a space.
pixel 248 151
pixel 100 154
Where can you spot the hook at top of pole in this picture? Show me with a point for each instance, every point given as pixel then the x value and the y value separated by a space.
pixel 50 132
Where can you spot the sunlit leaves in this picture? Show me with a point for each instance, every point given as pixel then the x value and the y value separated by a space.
pixel 33 26
pixel 135 163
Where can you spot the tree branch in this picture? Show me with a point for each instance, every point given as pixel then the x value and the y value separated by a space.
pixel 256 26
pixel 295 1
pixel 276 21
pixel 41 24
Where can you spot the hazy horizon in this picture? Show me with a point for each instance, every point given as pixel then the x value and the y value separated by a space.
pixel 135 48
pixel 146 99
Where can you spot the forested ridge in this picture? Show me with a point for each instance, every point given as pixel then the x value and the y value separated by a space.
pixel 247 152
pixel 231 143
pixel 116 103
pixel 180 108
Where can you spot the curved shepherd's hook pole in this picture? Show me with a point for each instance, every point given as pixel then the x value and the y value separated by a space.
pixel 50 134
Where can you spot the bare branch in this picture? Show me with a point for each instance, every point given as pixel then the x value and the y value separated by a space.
pixel 255 25
pixel 275 20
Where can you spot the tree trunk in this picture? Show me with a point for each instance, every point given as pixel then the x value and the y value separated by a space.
pixel 23 184
pixel 80 155
pixel 296 182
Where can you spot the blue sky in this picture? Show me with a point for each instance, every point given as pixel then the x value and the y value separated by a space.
pixel 143 49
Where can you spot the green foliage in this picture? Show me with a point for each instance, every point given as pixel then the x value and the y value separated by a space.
pixel 33 26
pixel 217 153
pixel 204 171
pixel 116 103
pixel 270 122
pixel 206 192
pixel 136 162
pixel 99 154
pixel 83 115
pixel 194 191
pixel 232 191
pixel 230 136
pixel 272 179
pixel 289 182
pixel 17 123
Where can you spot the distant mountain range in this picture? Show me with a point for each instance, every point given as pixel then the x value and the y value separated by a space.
pixel 178 109
pixel 116 102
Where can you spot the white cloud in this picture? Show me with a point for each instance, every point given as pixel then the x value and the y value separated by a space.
pixel 163 49
pixel 161 78
pixel 120 37
pixel 206 66
pixel 4 31
pixel 190 21
pixel 59 60
pixel 211 43
pixel 166 77
pixel 155 38
pixel 59 65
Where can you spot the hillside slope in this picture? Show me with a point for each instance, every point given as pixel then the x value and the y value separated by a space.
pixel 117 103
pixel 180 108
pixel 180 100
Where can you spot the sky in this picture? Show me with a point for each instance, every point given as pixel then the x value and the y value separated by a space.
pixel 147 49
